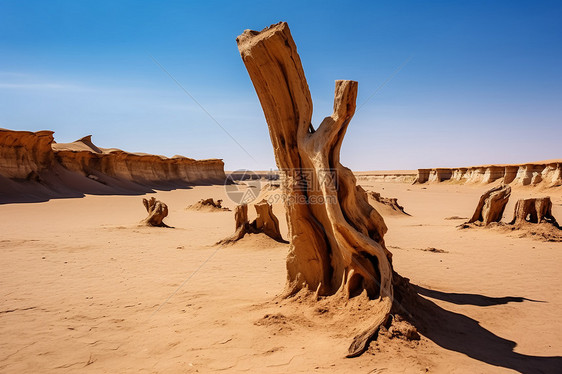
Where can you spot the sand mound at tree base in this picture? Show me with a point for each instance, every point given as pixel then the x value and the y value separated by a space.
pixel 306 312
pixel 208 205
pixel 544 231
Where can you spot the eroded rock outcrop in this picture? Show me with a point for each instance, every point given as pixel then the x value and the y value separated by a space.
pixel 398 176
pixel 544 174
pixel 386 205
pixel 24 155
pixel 35 168
pixel 84 157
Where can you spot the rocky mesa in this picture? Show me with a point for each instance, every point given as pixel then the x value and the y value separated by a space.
pixel 33 167
pixel 543 173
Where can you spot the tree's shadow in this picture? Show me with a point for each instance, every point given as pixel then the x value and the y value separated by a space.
pixel 469 298
pixel 457 332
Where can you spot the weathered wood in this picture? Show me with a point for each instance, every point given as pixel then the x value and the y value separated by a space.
pixel 157 211
pixel 533 210
pixel 491 206
pixel 242 226
pixel 336 237
pixel 266 222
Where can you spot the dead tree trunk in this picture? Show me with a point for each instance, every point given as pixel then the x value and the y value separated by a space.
pixel 242 226
pixel 534 210
pixel 157 211
pixel 266 223
pixel 336 237
pixel 492 205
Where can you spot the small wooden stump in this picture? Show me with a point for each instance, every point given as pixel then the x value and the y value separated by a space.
pixel 157 211
pixel 266 222
pixel 242 225
pixel 533 210
pixel 491 205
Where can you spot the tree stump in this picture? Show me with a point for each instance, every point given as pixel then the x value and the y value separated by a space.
pixel 336 236
pixel 491 205
pixel 266 223
pixel 157 211
pixel 242 226
pixel 533 210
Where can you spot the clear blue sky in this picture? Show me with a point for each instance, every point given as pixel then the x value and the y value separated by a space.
pixel 483 82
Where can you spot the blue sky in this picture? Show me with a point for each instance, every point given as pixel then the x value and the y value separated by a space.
pixel 482 83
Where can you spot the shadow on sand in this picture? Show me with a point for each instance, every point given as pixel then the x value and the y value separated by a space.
pixel 16 191
pixel 469 298
pixel 457 332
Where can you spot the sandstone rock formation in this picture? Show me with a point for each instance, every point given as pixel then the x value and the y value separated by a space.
pixel 35 168
pixel 83 157
pixel 533 210
pixel 337 245
pixel 399 176
pixel 24 155
pixel 266 222
pixel 545 173
pixel 491 206
pixel 390 203
pixel 157 211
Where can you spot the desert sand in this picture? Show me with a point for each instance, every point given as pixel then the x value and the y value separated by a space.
pixel 86 289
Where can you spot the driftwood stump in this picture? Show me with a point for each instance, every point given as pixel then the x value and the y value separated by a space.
pixel 211 202
pixel 491 205
pixel 242 226
pixel 157 211
pixel 533 210
pixel 337 244
pixel 266 223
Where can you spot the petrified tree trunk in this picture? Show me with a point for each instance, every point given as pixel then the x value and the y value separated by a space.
pixel 534 210
pixel 491 205
pixel 157 211
pixel 337 243
pixel 241 224
pixel 266 223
